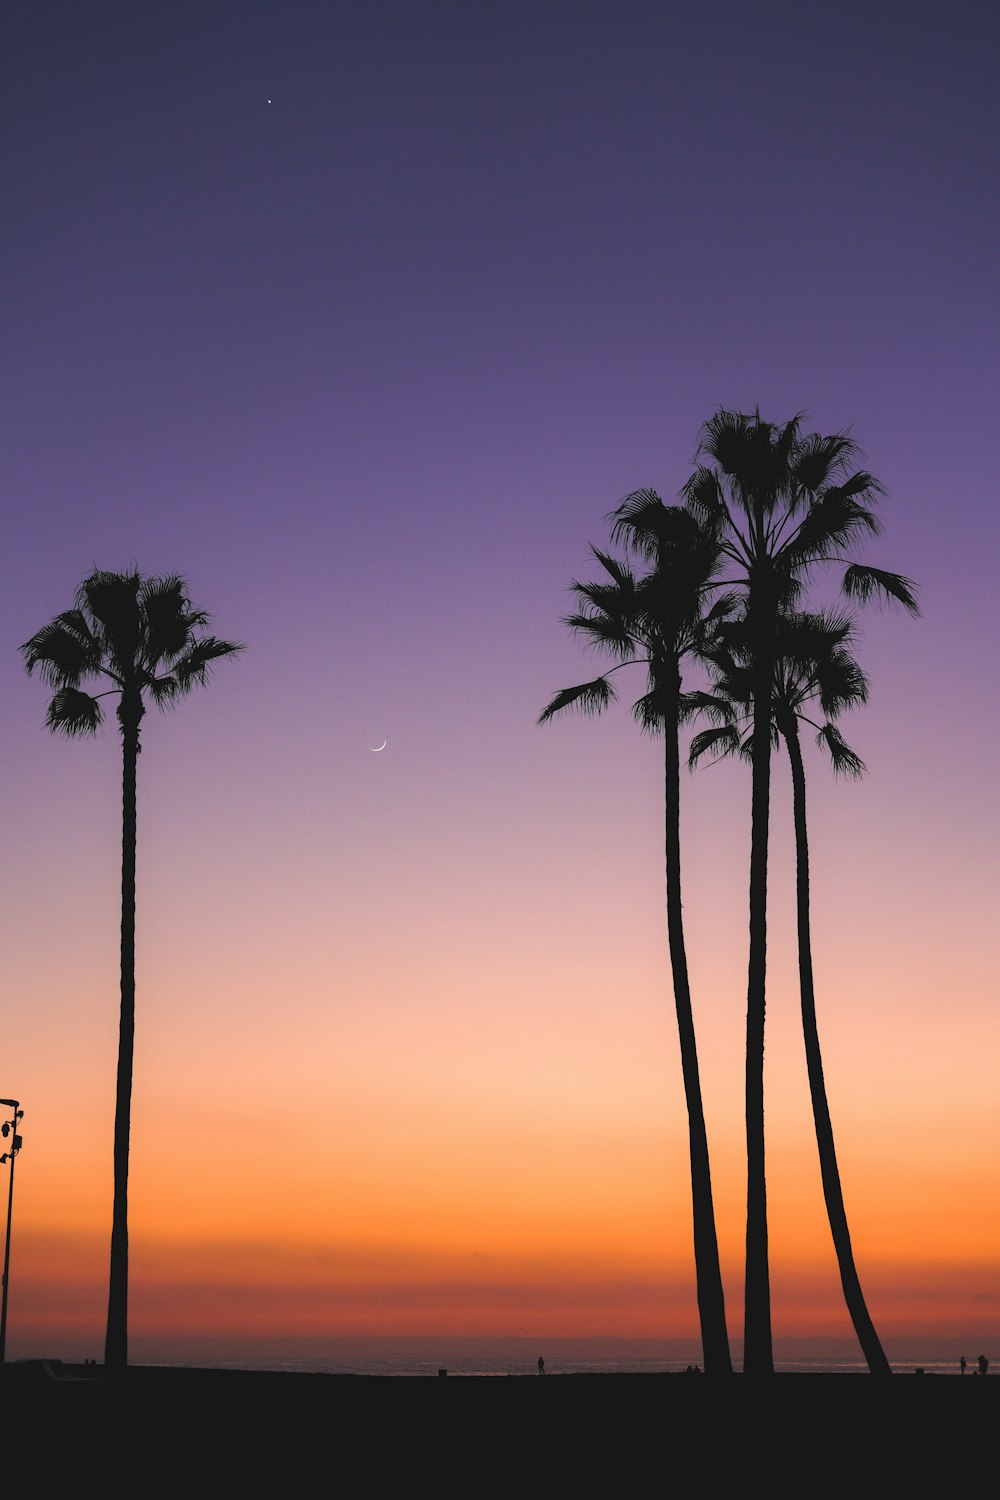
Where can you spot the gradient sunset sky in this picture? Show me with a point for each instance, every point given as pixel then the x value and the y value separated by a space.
pixel 362 317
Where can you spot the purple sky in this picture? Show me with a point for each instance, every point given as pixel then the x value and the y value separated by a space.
pixel 362 317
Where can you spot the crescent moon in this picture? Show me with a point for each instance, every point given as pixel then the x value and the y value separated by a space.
pixel 376 748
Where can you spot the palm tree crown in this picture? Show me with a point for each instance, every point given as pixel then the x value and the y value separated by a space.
pixel 783 503
pixel 813 666
pixel 138 635
pixel 654 620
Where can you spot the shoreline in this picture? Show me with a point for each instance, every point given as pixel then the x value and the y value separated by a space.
pixel 33 1371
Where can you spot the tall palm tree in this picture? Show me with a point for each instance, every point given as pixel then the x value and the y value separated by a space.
pixel 814 665
pixel 139 636
pixel 656 621
pixel 784 503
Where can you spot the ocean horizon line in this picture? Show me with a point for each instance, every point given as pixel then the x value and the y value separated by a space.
pixel 425 1354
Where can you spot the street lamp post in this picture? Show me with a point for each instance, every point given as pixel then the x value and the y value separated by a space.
pixel 9 1128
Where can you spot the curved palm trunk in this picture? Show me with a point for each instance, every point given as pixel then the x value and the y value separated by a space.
pixel 853 1295
pixel 116 1341
pixel 711 1298
pixel 758 1357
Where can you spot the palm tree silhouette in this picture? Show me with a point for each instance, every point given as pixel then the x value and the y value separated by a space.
pixel 783 504
pixel 814 665
pixel 657 620
pixel 140 636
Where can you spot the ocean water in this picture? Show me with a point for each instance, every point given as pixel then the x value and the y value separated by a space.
pixel 513 1355
pixel 479 1365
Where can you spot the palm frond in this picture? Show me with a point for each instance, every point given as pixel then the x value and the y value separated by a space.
pixel 703 496
pixel 652 709
pixel 841 683
pixel 654 530
pixel 819 458
pixel 635 522
pixel 810 637
pixel 62 652
pixel 718 742
pixel 724 607
pixel 74 713
pixel 784 445
pixel 164 691
pixel 112 602
pixel 617 570
pixel 613 598
pixel 725 438
pixel 728 646
pixel 191 669
pixel 845 760
pixel 862 483
pixel 587 697
pixel 733 679
pixel 866 584
pixel 832 522
pixel 169 621
pixel 714 706
pixel 110 598
pixel 603 633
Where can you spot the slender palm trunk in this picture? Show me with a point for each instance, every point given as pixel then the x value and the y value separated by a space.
pixel 116 1341
pixel 711 1298
pixel 758 1357
pixel 853 1295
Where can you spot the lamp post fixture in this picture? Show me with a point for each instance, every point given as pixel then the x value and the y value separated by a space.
pixel 8 1130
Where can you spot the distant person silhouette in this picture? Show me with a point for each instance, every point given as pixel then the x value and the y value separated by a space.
pixel 541 1365
pixel 984 1364
pixel 963 1365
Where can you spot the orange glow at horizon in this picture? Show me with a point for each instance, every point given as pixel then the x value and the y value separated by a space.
pixel 543 1190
